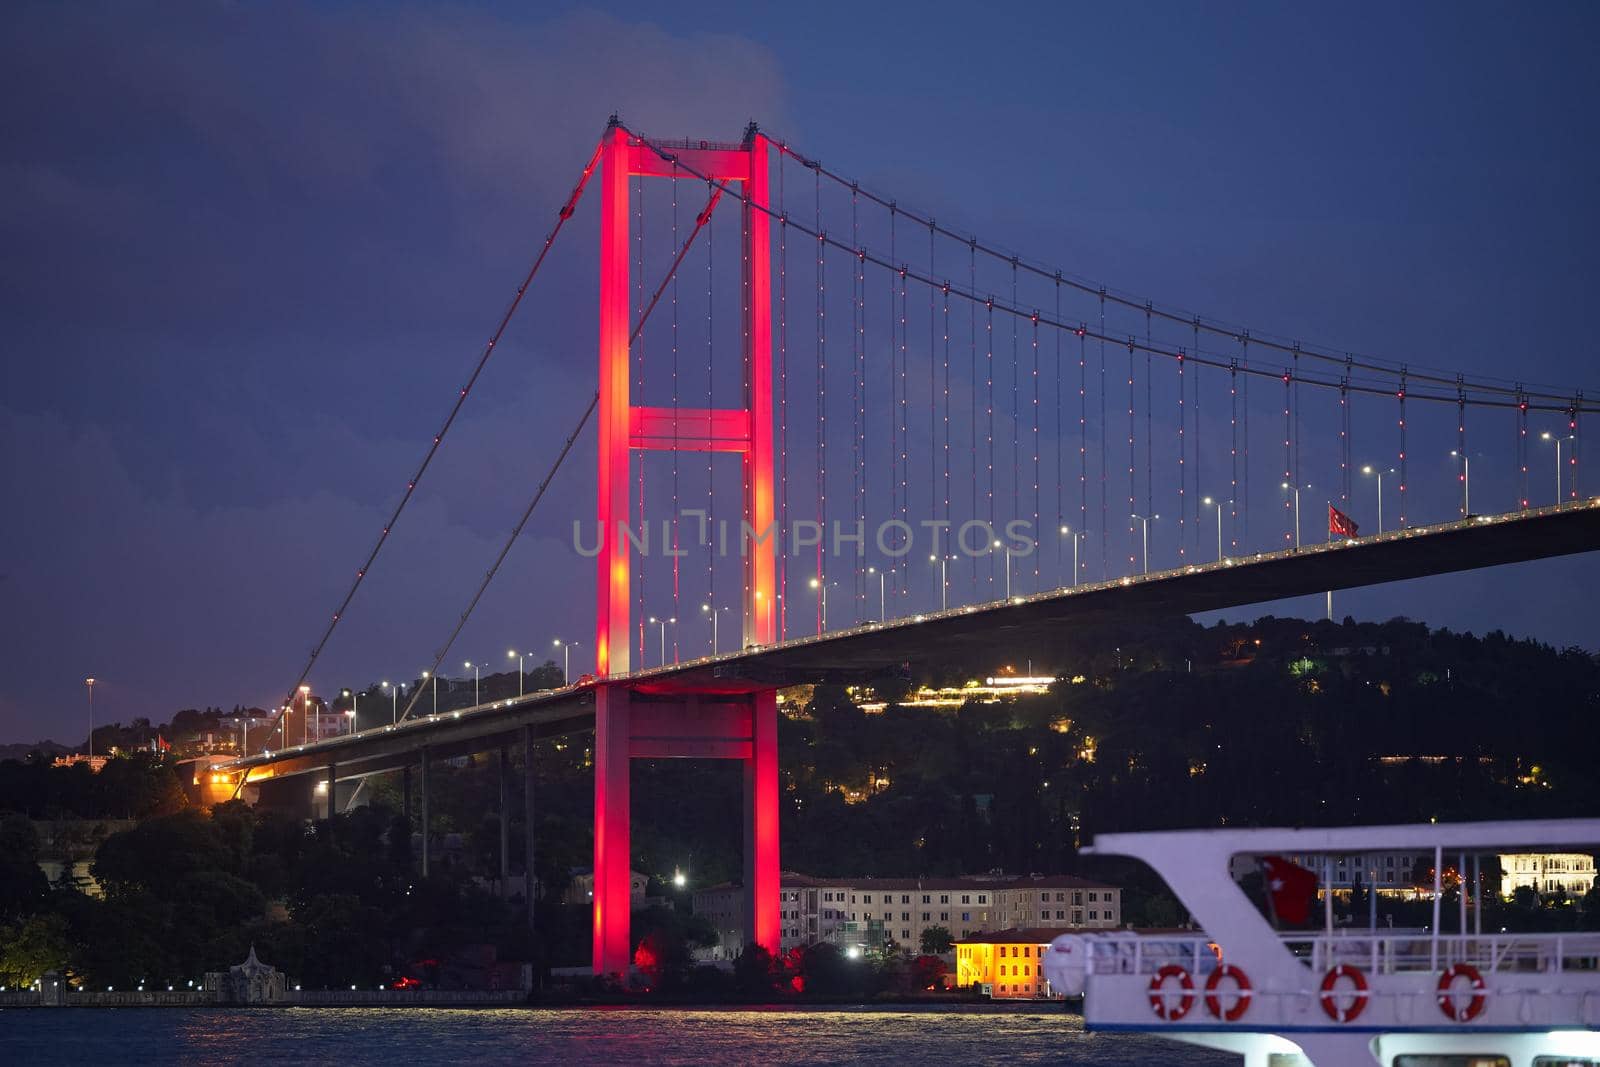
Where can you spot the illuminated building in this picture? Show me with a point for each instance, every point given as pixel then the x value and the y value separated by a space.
pixel 888 914
pixel 988 691
pixel 1545 873
pixel 1007 964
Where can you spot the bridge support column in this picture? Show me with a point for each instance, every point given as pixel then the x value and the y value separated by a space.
pixel 740 726
pixel 426 848
pixel 761 865
pixel 505 818
pixel 405 794
pixel 613 949
pixel 333 786
pixel 530 881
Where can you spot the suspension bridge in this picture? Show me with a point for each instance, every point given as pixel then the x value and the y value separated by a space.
pixel 969 449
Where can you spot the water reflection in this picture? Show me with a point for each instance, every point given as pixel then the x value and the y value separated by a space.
pixel 535 1036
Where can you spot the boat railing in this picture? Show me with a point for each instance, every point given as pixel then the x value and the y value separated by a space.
pixel 1400 952
pixel 1383 952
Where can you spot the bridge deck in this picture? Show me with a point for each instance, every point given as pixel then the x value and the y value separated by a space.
pixel 996 628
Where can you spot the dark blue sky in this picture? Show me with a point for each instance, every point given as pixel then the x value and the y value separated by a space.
pixel 250 250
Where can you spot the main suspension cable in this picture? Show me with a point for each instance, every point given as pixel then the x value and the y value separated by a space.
pixel 1389 368
pixel 565 213
pixel 516 531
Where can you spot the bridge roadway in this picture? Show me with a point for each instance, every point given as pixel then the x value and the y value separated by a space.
pixel 994 629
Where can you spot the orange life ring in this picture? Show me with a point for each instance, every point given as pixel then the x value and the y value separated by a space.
pixel 1330 995
pixel 1241 993
pixel 1447 997
pixel 1158 999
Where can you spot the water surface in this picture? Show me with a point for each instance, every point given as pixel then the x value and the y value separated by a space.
pixel 620 1036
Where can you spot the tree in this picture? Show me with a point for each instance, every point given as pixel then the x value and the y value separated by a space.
pixel 27 952
pixel 936 941
pixel 1591 908
pixel 927 972
pixel 752 970
pixel 23 885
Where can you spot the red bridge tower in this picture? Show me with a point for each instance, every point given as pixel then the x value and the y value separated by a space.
pixel 651 721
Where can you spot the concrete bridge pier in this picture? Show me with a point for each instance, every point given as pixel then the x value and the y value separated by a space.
pixel 634 725
pixel 427 847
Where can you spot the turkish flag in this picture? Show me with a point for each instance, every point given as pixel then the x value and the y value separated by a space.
pixel 1340 524
pixel 162 743
pixel 1290 889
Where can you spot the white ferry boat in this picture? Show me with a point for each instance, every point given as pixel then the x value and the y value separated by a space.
pixel 1341 996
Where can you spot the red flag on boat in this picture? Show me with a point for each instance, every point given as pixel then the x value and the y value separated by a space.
pixel 1340 524
pixel 1290 889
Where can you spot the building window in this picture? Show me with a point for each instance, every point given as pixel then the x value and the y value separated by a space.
pixel 944 898
pixel 926 916
pixel 1093 915
pixel 966 916
pixel 925 899
pixel 983 898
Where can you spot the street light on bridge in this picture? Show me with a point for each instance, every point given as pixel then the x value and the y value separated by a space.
pixel 663 623
pixel 1208 502
pixel 1379 474
pixel 475 668
pixel 882 611
pixel 1144 523
pixel 566 648
pixel 425 676
pixel 1295 490
pixel 518 656
pixel 944 584
pixel 1547 436
pixel 1066 531
pixel 394 702
pixel 705 609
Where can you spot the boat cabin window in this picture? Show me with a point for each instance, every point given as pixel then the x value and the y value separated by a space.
pixel 1564 1061
pixel 1453 1060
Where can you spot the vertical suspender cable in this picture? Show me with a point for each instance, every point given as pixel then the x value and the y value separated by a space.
pixel 1244 428
pixel 1183 469
pixel 1197 461
pixel 858 461
pixel 1083 440
pixel 972 396
pixel 1105 503
pixel 1035 533
pixel 1522 446
pixel 1233 452
pixel 1061 515
pixel 822 401
pixel 988 386
pixel 1401 395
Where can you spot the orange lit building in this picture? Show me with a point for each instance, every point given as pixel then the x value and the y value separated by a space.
pixel 1007 964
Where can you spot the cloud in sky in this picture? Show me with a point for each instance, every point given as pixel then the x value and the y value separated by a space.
pixel 251 250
